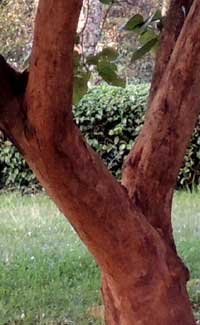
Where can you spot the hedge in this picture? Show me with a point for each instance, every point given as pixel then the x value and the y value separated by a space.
pixel 14 171
pixel 110 118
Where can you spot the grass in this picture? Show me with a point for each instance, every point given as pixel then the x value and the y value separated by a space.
pixel 186 222
pixel 46 274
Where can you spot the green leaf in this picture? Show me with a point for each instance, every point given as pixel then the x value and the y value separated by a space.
pixel 157 16
pixel 108 71
pixel 106 2
pixel 155 48
pixel 77 58
pixel 147 36
pixel 139 53
pixel 80 86
pixel 92 59
pixel 116 140
pixel 109 53
pixel 133 23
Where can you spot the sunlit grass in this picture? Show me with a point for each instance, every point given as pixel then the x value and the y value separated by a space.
pixel 47 275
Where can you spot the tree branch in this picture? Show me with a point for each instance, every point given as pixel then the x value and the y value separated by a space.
pixel 152 166
pixel 50 86
pixel 77 180
pixel 174 21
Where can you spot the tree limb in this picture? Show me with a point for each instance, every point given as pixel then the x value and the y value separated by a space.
pixel 50 86
pixel 74 176
pixel 173 24
pixel 152 166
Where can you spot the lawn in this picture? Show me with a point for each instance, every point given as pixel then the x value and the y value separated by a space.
pixel 46 274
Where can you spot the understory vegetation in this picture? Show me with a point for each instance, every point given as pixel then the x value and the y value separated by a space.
pixel 47 275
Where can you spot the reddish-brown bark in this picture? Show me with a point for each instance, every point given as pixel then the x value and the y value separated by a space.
pixel 127 228
pixel 173 24
pixel 159 151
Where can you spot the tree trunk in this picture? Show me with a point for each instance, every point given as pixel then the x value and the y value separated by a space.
pixel 90 25
pixel 135 304
pixel 126 227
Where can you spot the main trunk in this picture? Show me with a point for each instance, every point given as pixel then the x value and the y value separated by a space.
pixel 157 296
pixel 146 304
pixel 144 281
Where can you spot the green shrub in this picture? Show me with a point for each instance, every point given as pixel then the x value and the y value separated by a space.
pixel 14 171
pixel 189 175
pixel 110 118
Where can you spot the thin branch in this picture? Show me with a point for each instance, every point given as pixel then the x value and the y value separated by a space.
pixel 86 19
pixel 105 18
pixel 81 35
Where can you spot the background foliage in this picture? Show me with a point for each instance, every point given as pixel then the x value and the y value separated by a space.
pixel 110 118
pixel 14 171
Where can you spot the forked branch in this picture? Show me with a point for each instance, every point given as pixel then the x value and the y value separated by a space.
pixel 74 176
